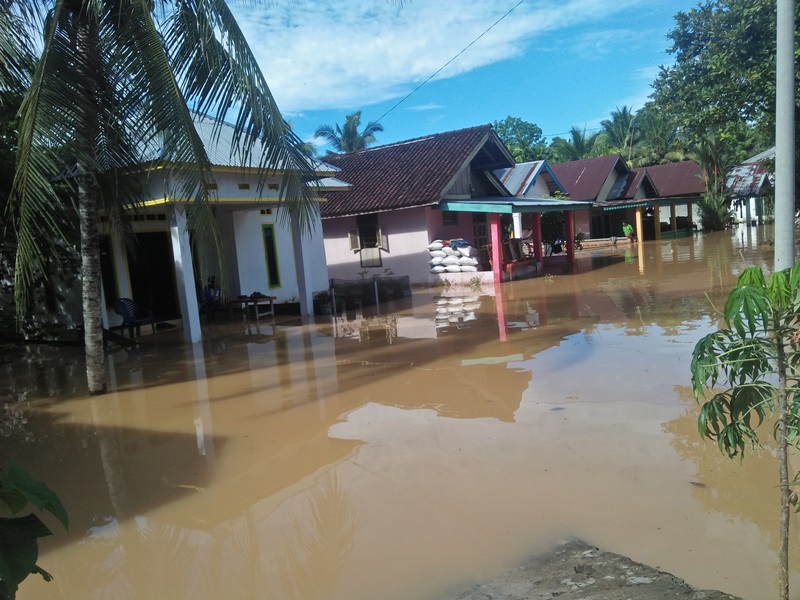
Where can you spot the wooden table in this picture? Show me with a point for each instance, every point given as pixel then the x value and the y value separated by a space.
pixel 263 306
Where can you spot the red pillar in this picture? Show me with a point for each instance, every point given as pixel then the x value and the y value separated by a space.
pixel 569 227
pixel 497 246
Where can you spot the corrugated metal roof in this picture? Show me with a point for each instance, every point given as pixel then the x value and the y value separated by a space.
pixel 520 178
pixel 747 180
pixel 512 205
pixel 583 179
pixel 414 172
pixel 221 151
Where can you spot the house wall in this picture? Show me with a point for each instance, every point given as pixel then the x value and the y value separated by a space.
pixel 406 231
pixel 250 250
pixel 238 211
pixel 582 222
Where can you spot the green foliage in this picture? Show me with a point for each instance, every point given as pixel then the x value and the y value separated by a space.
pixel 748 371
pixel 619 132
pixel 523 139
pixel 724 70
pixel 578 147
pixel 19 548
pixel 715 212
pixel 348 138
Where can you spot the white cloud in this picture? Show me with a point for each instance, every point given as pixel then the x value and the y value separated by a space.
pixel 428 106
pixel 354 53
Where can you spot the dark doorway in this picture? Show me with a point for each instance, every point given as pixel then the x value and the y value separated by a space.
pixel 152 275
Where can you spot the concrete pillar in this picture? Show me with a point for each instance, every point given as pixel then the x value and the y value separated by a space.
pixel 673 219
pixel 303 269
pixel 639 225
pixel 689 219
pixel 497 246
pixel 184 274
pixel 517 218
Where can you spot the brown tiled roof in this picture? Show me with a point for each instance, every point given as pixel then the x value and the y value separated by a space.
pixel 411 173
pixel 675 180
pixel 583 179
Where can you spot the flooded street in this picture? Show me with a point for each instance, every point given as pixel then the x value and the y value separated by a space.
pixel 406 457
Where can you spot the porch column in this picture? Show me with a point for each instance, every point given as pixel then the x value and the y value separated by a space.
pixel 639 225
pixel 303 270
pixel 747 211
pixel 569 231
pixel 689 218
pixel 536 238
pixel 497 246
pixel 673 219
pixel 517 218
pixel 184 275
pixel 656 220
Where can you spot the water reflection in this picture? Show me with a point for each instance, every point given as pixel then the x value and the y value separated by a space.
pixel 290 460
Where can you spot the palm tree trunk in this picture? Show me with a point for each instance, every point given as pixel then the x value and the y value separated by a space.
pixel 783 552
pixel 88 197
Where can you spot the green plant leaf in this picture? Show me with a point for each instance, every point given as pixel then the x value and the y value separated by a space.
pixel 16 480
pixel 778 288
pixel 19 549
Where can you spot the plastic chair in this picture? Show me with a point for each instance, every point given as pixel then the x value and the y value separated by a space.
pixel 133 317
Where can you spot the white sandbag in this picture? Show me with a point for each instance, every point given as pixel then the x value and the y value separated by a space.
pixel 449 260
pixel 468 251
pixel 437 269
pixel 435 245
pixel 468 269
pixel 468 261
pixel 436 260
pixel 439 253
pixel 451 251
pixel 453 268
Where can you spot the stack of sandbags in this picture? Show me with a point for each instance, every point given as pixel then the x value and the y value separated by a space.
pixel 452 256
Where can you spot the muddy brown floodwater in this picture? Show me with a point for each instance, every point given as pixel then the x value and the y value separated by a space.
pixel 347 461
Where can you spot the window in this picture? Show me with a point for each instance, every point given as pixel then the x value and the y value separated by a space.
pixel 449 217
pixel 368 240
pixel 271 255
pixel 244 186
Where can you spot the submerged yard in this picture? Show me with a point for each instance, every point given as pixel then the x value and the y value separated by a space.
pixel 402 458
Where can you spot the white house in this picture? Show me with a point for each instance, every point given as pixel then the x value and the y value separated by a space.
pixel 262 249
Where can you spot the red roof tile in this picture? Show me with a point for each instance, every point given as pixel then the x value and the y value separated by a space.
pixel 675 180
pixel 415 172
pixel 583 179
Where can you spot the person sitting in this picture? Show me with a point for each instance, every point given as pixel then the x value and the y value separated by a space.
pixel 211 297
pixel 627 229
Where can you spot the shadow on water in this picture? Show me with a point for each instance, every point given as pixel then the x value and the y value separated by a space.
pixel 449 437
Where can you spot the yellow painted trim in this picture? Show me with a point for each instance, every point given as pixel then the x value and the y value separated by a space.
pixel 224 200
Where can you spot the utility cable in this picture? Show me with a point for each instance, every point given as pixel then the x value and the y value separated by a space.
pixel 444 66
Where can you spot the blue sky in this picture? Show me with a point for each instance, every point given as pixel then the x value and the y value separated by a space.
pixel 556 63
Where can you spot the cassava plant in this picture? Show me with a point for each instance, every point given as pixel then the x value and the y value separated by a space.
pixel 747 372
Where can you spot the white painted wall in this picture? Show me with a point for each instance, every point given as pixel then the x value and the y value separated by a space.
pixel 252 258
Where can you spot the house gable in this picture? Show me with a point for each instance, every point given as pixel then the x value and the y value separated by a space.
pixel 417 172
pixel 593 179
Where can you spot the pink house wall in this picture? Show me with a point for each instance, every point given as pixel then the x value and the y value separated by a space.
pixel 406 232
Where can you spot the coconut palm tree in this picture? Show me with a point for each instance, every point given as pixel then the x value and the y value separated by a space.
pixel 578 147
pixel 659 142
pixel 715 159
pixel 348 139
pixel 619 131
pixel 110 79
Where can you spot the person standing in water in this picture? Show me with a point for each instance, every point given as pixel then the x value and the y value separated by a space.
pixel 627 229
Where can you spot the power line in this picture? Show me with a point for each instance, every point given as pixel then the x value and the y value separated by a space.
pixel 464 49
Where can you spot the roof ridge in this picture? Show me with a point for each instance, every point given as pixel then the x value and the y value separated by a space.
pixel 423 138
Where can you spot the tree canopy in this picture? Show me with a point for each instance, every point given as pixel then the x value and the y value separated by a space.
pixel 522 138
